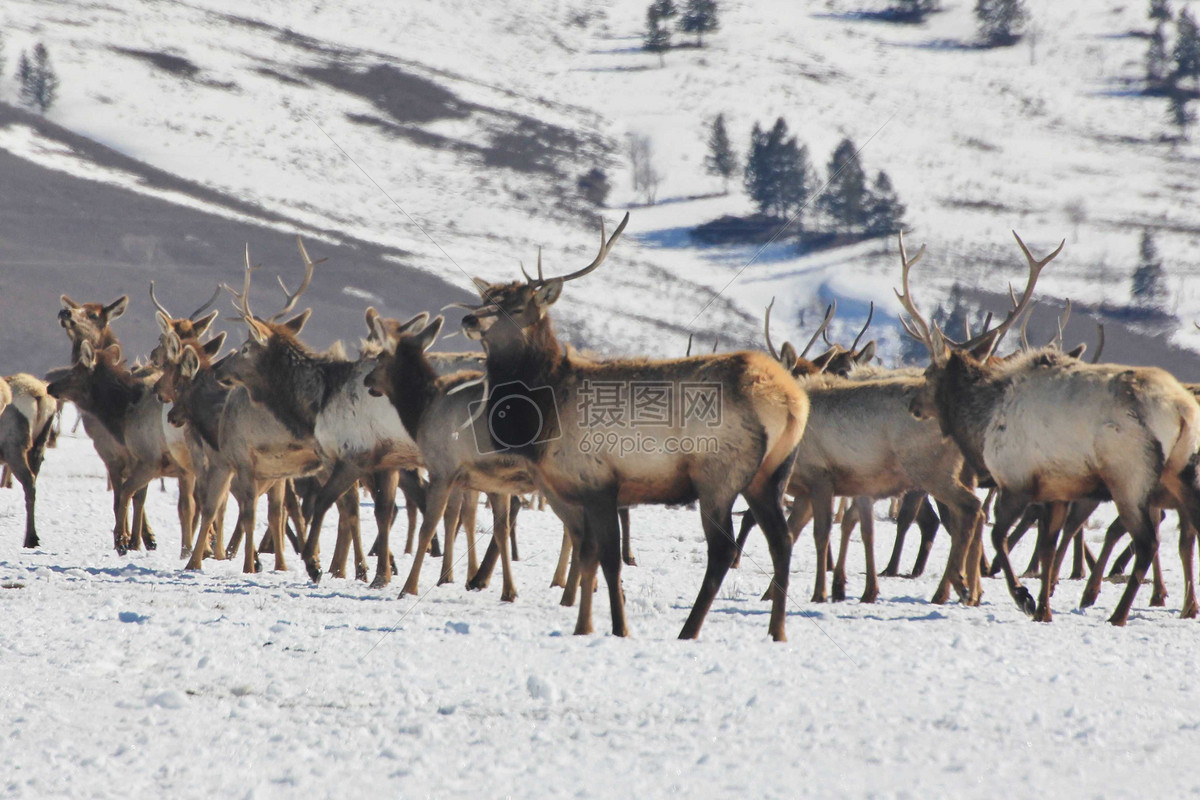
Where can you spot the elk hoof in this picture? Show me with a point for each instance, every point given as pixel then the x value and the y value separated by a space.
pixel 122 549
pixel 1116 621
pixel 31 541
pixel 381 581
pixel 737 562
pixel 1189 611
pixel 477 585
pixel 185 552
pixel 1025 601
pixel 631 561
pixel 511 598
pixel 1158 600
pixel 447 578
pixel 839 591
pixel 360 574
pixel 1043 615
pixel 940 597
pixel 869 596
pixel 257 565
pixel 314 572
pixel 150 543
pixel 818 597
pixel 890 572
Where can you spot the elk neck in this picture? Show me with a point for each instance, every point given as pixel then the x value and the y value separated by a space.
pixel 968 396
pixel 203 402
pixel 535 358
pixel 299 383
pixel 414 384
pixel 109 392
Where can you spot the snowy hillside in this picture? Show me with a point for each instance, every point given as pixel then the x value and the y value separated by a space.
pixel 476 119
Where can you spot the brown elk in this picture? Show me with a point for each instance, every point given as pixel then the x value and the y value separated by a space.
pixel 434 410
pixel 861 441
pixel 761 418
pixel 323 400
pixel 26 411
pixel 1047 427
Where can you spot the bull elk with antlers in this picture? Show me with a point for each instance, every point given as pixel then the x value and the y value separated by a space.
pixel 539 397
pixel 1047 427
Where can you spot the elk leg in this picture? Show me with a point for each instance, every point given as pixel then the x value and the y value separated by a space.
pixel 564 561
pixel 501 515
pixel 867 526
pixel 414 500
pixel 1091 591
pixel 514 508
pixel 571 587
pixel 217 547
pixel 245 492
pixel 743 534
pixel 1056 514
pixel 1158 598
pixel 840 513
pixel 20 470
pixel 186 508
pixel 1117 575
pixel 385 483
pixel 436 498
pixel 450 519
pixel 767 504
pixel 1187 545
pixel 1037 514
pixel 821 499
pixel 928 523
pixel 342 478
pixel 296 525
pixel 850 517
pixel 349 506
pixel 627 548
pixel 716 517
pixel 1142 528
pixel 213 488
pixel 470 509
pixel 1010 505
pixel 906 513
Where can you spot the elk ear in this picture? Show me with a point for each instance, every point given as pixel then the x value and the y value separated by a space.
pixel 114 353
pixel 380 334
pixel 164 322
pixel 214 345
pixel 117 307
pixel 481 286
pixel 201 325
pixel 939 352
pixel 68 303
pixel 296 323
pixel 414 324
pixel 787 356
pixel 87 355
pixel 548 292
pixel 372 315
pixel 984 348
pixel 426 338
pixel 865 355
pixel 259 332
pixel 1078 351
pixel 172 345
pixel 189 365
pixel 822 361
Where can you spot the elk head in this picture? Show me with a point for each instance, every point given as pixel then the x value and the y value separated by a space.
pixel 509 310
pixel 797 363
pixel 75 383
pixel 956 365
pixel 182 360
pixel 402 356
pixel 89 321
pixel 193 326
pixel 251 364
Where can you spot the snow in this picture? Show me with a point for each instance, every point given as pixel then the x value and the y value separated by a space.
pixel 131 676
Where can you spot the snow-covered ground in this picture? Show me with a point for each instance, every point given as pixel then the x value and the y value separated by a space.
pixel 130 677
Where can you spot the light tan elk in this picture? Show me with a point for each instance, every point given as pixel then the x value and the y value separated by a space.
pixel 761 418
pixel 862 441
pixel 323 400
pixel 434 410
pixel 1047 427
pixel 27 411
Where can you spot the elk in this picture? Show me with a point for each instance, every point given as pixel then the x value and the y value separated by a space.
pixel 762 413
pixel 434 410
pixel 323 400
pixel 238 446
pixel 1047 427
pixel 861 441
pixel 26 411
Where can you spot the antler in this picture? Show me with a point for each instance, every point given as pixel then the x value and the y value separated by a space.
pixel 867 324
pixel 292 297
pixel 1024 324
pixel 212 301
pixel 605 246
pixel 1062 323
pixel 767 331
pixel 919 328
pixel 829 312
pixel 1100 346
pixel 159 305
pixel 241 302
pixel 689 347
pixel 1035 269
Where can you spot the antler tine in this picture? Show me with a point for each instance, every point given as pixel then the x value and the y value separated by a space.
pixel 689 347
pixel 242 301
pixel 829 312
pixel 211 302
pixel 1100 346
pixel 605 246
pixel 870 316
pixel 1057 341
pixel 524 274
pixel 922 333
pixel 767 331
pixel 908 328
pixel 716 343
pixel 159 305
pixel 539 264
pixel 1024 327
pixel 292 297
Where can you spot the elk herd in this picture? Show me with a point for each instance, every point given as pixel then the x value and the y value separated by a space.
pixel 1050 435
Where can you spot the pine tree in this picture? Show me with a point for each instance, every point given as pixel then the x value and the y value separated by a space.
pixel 1186 54
pixel 594 186
pixel 699 17
pixel 845 197
pixel 886 211
pixel 1179 114
pixel 663 9
pixel 1149 279
pixel 1160 10
pixel 721 160
pixel 656 39
pixel 1156 57
pixel 777 173
pixel 39 83
pixel 1000 21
